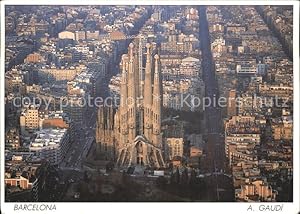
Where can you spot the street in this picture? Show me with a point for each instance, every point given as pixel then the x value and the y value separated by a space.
pixel 84 137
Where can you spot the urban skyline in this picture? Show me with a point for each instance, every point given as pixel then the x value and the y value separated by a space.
pixel 149 103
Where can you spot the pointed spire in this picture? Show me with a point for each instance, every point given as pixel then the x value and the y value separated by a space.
pixel 131 46
pixel 156 104
pixel 124 67
pixel 156 57
pixel 156 69
pixel 156 82
pixel 148 78
pixel 124 56
pixel 123 88
pixel 131 93
pixel 148 46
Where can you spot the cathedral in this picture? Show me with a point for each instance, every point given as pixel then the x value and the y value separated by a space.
pixel 131 135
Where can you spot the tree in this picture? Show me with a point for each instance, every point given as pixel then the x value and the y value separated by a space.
pixel 171 166
pixel 193 179
pixel 185 177
pixel 177 176
pixel 85 177
pixel 172 178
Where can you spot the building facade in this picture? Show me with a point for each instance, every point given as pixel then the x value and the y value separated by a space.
pixel 29 119
pixel 137 138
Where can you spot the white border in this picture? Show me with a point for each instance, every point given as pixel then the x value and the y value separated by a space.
pixel 145 208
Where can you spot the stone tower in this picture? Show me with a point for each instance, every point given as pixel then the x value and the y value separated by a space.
pixel 139 115
pixel 105 138
pixel 135 133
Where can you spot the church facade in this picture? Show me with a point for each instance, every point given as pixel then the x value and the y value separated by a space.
pixel 131 135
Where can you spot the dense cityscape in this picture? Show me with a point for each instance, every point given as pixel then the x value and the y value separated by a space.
pixel 148 103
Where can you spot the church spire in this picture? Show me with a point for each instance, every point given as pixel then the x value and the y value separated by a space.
pixel 156 85
pixel 148 95
pixel 123 90
pixel 131 98
pixel 148 79
pixel 124 96
pixel 156 107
